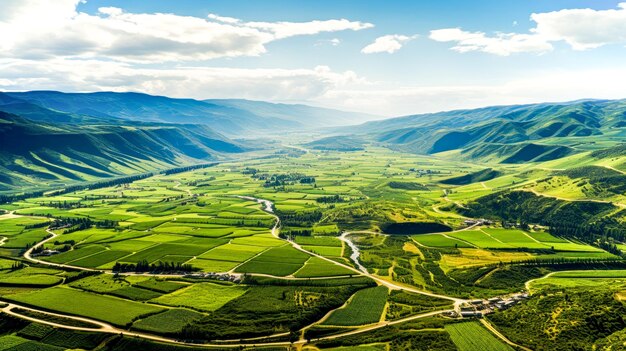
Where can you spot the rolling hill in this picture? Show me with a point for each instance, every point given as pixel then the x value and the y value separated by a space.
pixel 507 134
pixel 40 154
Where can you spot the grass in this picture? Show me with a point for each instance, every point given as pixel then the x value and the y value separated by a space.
pixel 438 240
pixel 168 322
pixel 202 296
pixel 318 241
pixel 324 250
pixel 135 294
pixel 480 239
pixel 213 265
pixel 163 286
pixel 155 253
pixel 280 261
pixel 317 267
pixel 595 279
pixel 105 283
pixel 75 340
pixel 365 307
pixel 99 259
pixel 35 280
pixel 471 336
pixel 232 252
pixel 480 257
pixel 76 254
pixel 11 341
pixel 76 302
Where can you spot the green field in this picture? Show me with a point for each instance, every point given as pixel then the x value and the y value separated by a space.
pixel 317 267
pixel 203 296
pixel 470 336
pixel 438 240
pixel 280 261
pixel 168 322
pixel 195 219
pixel 75 302
pixel 365 307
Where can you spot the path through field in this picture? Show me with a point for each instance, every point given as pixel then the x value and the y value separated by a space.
pixel 267 207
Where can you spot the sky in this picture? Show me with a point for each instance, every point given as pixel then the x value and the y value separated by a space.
pixel 388 58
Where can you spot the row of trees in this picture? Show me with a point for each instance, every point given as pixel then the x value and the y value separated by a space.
pixel 188 168
pixel 299 218
pixel 159 267
pixel 80 223
pixel 329 199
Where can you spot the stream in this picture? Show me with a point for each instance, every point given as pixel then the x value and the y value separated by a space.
pixel 355 251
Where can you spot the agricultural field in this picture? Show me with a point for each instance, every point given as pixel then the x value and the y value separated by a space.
pixel 202 297
pixel 75 302
pixel 470 336
pixel 365 307
pixel 189 256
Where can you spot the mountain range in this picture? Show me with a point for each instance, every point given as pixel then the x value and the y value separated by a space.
pixel 507 134
pixel 230 117
pixel 50 138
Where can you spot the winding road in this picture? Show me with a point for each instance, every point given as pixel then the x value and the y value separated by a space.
pixel 267 207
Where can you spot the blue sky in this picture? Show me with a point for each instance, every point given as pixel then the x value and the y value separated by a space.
pixel 384 57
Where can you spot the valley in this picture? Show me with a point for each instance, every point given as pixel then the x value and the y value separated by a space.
pixel 309 249
pixel 312 176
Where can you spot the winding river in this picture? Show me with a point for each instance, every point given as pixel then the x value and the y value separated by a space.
pixel 355 251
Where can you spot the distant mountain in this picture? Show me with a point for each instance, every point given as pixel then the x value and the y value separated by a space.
pixel 303 115
pixel 509 134
pixel 230 117
pixel 338 143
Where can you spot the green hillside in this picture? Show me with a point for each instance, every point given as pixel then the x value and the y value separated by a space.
pixel 38 154
pixel 230 117
pixel 507 134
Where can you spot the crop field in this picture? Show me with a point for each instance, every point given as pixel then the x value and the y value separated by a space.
pixel 202 296
pixel 438 240
pixel 610 279
pixel 324 250
pixel 194 221
pixel 318 241
pixel 478 238
pixel 233 252
pixel 317 267
pixel 281 261
pixel 365 307
pixel 75 302
pixel 470 336
pixel 168 322
pixel 30 277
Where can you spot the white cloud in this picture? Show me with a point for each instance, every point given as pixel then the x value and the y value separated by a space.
pixel 195 82
pixel 219 18
pixel 582 29
pixel 503 44
pixel 331 42
pixel 549 86
pixel 387 43
pixel 319 85
pixel 45 29
pixel 282 30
